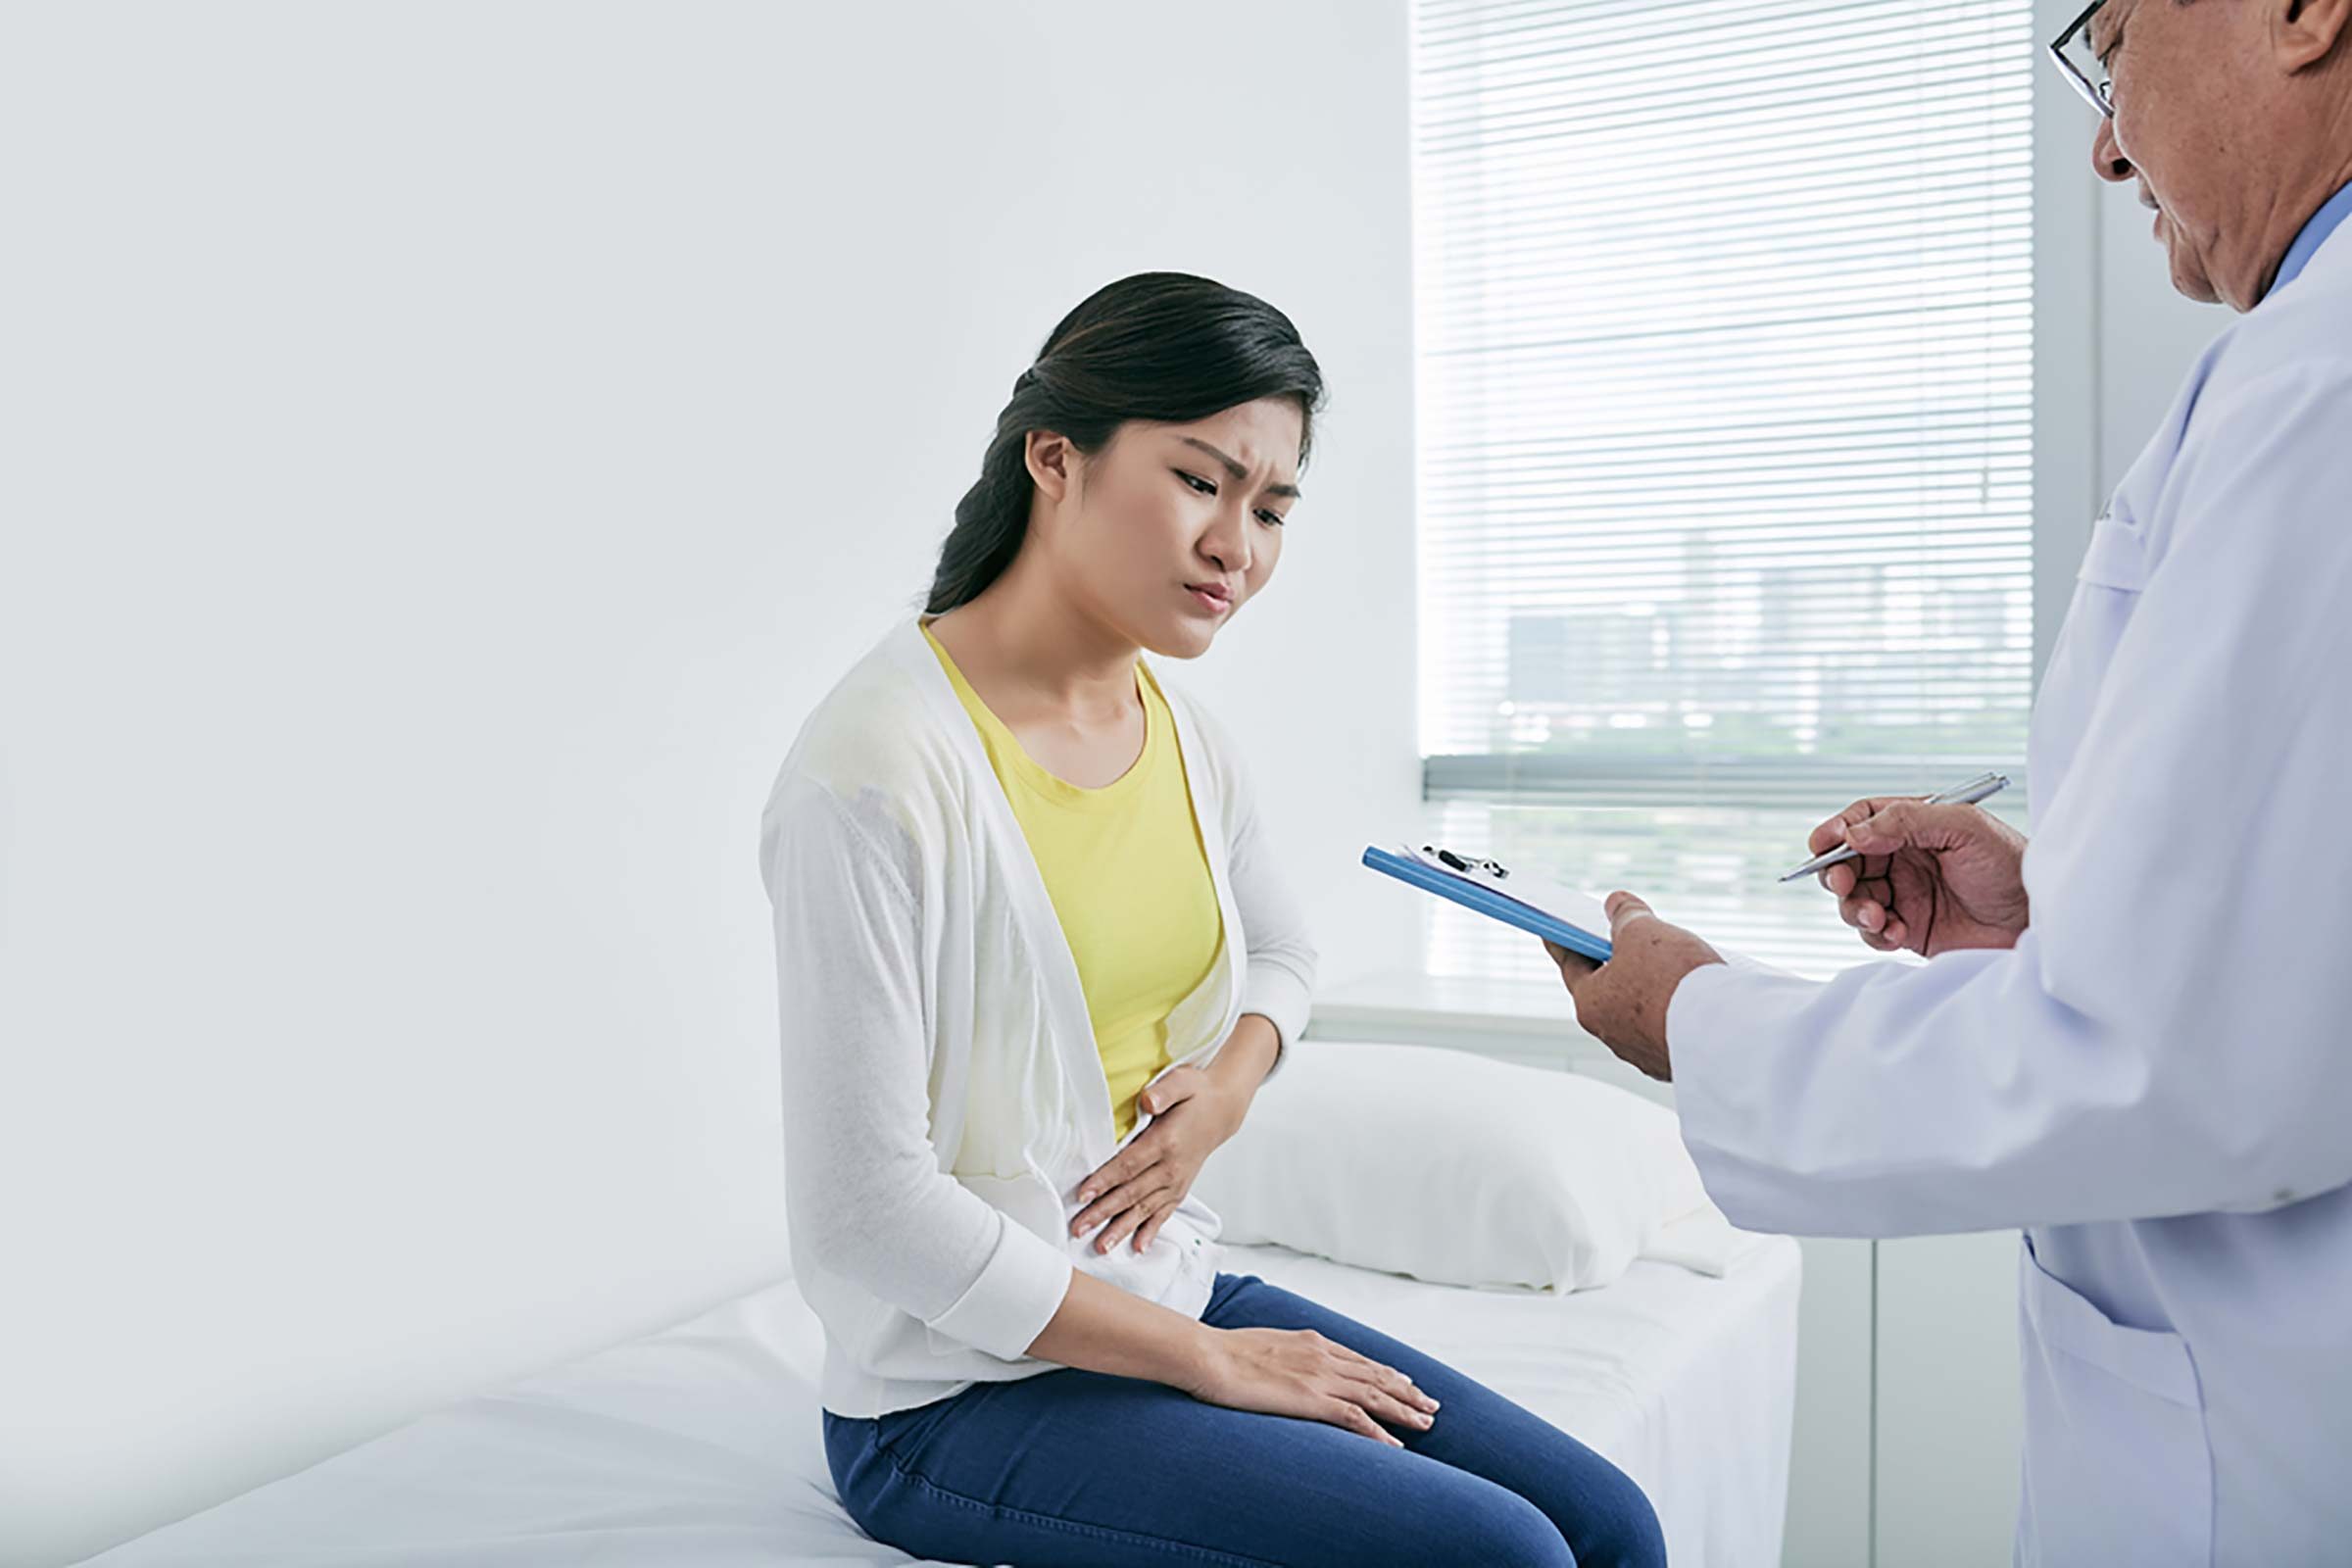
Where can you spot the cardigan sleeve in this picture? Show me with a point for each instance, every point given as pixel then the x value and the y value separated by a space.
pixel 1279 978
pixel 864 1194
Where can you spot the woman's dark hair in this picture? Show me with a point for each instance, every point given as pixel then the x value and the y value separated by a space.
pixel 1166 347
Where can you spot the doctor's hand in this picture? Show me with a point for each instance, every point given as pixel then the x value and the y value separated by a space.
pixel 1930 879
pixel 1192 1112
pixel 1623 1002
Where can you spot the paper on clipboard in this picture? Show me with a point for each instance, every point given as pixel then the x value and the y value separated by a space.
pixel 1580 924
pixel 1579 909
pixel 1576 920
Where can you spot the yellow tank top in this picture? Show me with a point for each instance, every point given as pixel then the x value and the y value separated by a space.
pixel 1129 880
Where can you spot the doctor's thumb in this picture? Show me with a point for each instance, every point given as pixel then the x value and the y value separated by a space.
pixel 1624 909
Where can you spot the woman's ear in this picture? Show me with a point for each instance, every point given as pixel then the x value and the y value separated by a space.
pixel 1052 462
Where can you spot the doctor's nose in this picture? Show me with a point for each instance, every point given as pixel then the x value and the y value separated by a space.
pixel 2107 155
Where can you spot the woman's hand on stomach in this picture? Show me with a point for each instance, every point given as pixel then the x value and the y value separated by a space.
pixel 1193 1110
pixel 1135 1191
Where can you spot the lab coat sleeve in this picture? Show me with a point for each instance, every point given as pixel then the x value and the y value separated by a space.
pixel 2174 1033
pixel 864 1194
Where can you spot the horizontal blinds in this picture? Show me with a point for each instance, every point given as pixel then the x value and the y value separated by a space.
pixel 1726 415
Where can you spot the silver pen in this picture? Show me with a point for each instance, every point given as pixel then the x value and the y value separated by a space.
pixel 1982 787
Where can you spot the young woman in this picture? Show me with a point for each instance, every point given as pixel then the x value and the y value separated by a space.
pixel 1034 962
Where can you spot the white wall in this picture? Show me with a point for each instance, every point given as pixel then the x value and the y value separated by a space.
pixel 450 448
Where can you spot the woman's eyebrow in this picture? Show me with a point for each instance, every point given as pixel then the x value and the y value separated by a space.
pixel 1235 470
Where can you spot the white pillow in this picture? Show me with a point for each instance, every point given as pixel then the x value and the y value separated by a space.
pixel 1454 1168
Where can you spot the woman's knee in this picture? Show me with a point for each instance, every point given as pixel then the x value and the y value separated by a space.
pixel 1612 1525
pixel 1491 1525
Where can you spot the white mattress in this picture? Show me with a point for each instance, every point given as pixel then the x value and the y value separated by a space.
pixel 700 1447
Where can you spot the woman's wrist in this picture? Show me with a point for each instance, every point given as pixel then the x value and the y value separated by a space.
pixel 1197 1353
pixel 1233 1100
pixel 1104 1328
pixel 1243 1063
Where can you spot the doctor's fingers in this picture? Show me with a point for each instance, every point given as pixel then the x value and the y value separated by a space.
pixel 1873 921
pixel 1875 924
pixel 1870 909
pixel 1832 833
pixel 1851 879
pixel 1869 906
pixel 1894 939
pixel 1573 966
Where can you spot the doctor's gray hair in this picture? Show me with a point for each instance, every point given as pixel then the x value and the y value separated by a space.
pixel 1166 347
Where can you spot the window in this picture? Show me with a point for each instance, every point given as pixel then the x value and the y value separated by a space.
pixel 1724 341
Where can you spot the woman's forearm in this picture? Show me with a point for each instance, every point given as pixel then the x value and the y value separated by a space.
pixel 1247 1056
pixel 1101 1328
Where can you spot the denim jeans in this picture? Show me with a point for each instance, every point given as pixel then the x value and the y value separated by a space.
pixel 1072 1467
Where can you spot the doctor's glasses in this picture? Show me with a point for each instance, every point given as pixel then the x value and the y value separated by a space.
pixel 2083 68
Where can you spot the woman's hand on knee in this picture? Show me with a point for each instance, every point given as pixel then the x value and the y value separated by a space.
pixel 1299 1373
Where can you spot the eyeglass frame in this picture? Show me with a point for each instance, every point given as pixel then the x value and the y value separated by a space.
pixel 2101 95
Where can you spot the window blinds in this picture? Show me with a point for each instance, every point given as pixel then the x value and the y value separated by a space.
pixel 1726 434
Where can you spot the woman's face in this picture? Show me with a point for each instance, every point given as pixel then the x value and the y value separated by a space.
pixel 1167 531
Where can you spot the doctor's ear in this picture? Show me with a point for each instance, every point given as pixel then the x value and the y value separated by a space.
pixel 2308 32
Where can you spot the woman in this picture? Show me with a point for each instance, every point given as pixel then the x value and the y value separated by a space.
pixel 1034 963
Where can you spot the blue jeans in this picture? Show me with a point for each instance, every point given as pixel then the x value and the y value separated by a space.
pixel 1082 1468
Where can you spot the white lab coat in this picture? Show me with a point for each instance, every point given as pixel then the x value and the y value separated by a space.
pixel 2155 1082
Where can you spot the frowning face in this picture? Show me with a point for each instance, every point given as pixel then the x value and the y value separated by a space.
pixel 1169 529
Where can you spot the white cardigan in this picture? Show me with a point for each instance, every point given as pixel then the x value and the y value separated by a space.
pixel 943 1096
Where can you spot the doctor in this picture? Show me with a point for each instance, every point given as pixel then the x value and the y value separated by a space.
pixel 2133 1038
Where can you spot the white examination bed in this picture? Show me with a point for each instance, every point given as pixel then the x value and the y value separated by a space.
pixel 698 1446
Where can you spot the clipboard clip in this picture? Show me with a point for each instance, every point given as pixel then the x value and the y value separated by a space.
pixel 1467 862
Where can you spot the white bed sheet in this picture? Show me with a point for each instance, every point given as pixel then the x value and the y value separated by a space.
pixel 1687 1384
pixel 698 1446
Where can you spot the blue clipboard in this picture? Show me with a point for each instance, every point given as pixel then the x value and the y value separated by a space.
pixel 1494 906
